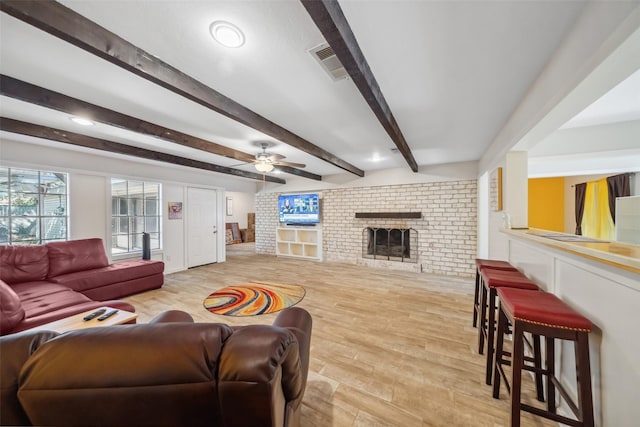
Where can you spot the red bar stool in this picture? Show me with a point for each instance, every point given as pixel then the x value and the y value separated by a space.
pixel 486 263
pixel 491 280
pixel 543 314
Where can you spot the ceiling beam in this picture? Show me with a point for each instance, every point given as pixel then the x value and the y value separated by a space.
pixel 66 24
pixel 27 92
pixel 328 17
pixel 298 172
pixel 38 131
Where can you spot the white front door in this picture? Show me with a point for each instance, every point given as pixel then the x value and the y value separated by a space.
pixel 202 233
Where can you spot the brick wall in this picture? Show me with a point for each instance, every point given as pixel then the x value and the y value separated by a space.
pixel 446 232
pixel 266 222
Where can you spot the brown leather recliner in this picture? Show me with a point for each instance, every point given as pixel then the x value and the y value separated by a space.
pixel 170 372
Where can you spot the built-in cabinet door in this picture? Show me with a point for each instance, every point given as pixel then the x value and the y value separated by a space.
pixel 202 233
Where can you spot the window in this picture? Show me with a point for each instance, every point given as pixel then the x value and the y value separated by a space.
pixel 33 206
pixel 135 208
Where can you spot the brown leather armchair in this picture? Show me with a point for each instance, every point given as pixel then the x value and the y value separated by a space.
pixel 170 372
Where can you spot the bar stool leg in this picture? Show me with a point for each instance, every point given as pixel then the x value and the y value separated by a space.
pixel 476 299
pixel 537 363
pixel 550 358
pixel 482 316
pixel 490 334
pixel 583 370
pixel 497 374
pixel 516 372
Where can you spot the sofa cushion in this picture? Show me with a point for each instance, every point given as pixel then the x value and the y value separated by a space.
pixel 23 263
pixel 132 375
pixel 15 350
pixel 50 303
pixel 114 273
pixel 123 289
pixel 76 255
pixel 11 311
pixel 30 290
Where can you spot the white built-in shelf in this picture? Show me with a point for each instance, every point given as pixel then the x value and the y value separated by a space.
pixel 299 242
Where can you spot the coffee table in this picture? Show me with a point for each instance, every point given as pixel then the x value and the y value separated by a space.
pixel 76 321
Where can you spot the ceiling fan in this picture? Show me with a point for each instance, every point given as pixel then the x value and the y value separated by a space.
pixel 266 161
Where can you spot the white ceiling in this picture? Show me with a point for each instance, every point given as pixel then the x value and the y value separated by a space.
pixel 620 104
pixel 452 73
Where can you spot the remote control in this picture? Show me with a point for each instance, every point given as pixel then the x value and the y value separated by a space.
pixel 107 315
pixel 94 314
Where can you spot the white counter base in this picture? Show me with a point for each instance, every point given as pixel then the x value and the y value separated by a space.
pixel 610 298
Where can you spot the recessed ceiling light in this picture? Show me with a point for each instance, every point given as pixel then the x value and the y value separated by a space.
pixel 226 34
pixel 81 121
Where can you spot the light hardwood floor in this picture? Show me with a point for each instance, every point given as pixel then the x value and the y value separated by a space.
pixel 388 348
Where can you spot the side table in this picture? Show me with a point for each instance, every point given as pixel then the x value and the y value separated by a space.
pixel 76 321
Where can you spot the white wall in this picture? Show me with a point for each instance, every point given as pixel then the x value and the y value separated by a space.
pixel 398 176
pixel 494 241
pixel 516 190
pixel 88 206
pixel 89 190
pixel 15 151
pixel 483 216
pixel 589 139
pixel 242 203
pixel 174 250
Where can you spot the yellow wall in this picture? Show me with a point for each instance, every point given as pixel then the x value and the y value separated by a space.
pixel 546 203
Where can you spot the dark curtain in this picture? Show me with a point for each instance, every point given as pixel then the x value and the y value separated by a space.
pixel 581 190
pixel 619 186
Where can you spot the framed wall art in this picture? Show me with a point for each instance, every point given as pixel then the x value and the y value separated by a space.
pixel 229 206
pixel 175 210
pixel 495 190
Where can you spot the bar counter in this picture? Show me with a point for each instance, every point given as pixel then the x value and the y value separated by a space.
pixel 620 255
pixel 601 280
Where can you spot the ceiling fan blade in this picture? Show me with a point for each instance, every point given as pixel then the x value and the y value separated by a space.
pixel 275 157
pixel 293 165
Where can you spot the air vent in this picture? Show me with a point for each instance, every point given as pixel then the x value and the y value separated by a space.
pixel 327 58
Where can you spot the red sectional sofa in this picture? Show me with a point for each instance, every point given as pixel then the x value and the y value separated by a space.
pixel 41 284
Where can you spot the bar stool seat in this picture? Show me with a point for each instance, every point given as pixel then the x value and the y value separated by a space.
pixel 543 314
pixel 494 263
pixel 486 263
pixel 547 309
pixel 490 281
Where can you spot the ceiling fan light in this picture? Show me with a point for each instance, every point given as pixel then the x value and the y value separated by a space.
pixel 264 167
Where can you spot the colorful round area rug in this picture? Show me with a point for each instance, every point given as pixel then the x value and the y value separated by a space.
pixel 253 298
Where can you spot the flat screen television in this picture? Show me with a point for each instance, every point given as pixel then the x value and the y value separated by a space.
pixel 299 208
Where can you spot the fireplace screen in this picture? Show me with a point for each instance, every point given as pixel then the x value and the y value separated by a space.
pixel 392 244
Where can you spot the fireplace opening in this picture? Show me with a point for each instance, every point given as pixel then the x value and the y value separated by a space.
pixel 393 244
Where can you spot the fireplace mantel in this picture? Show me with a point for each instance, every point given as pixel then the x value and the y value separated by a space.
pixel 389 215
